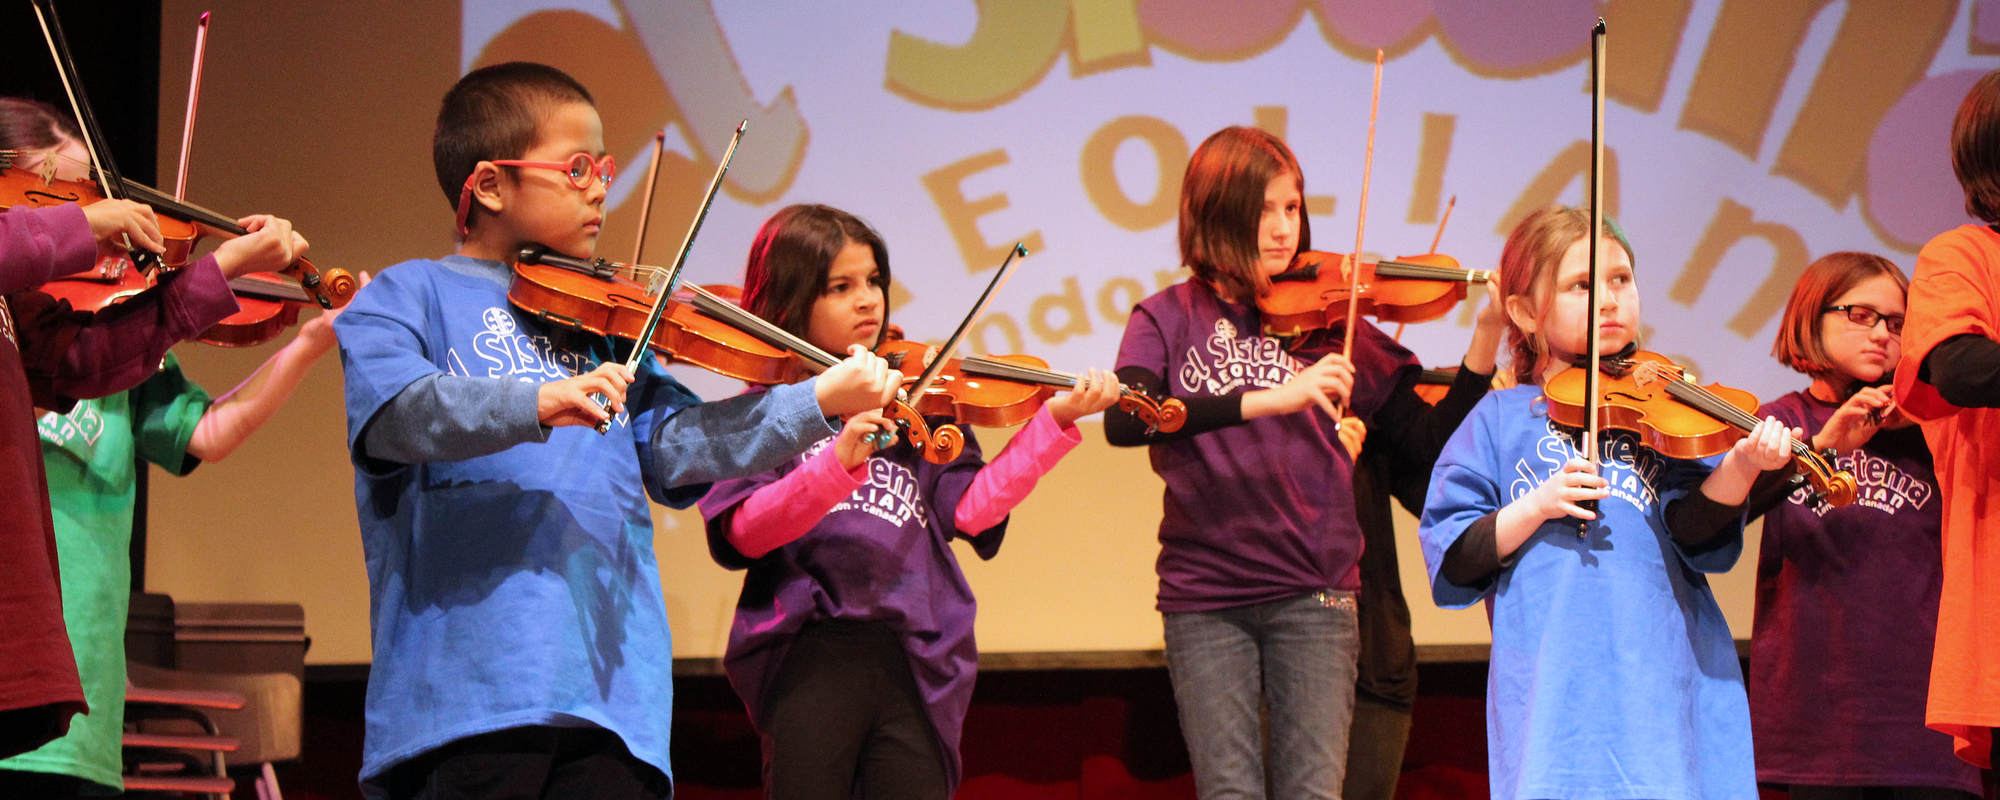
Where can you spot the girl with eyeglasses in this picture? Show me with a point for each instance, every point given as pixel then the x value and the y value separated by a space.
pixel 1847 598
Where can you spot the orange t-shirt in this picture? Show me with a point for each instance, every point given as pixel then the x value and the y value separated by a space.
pixel 1957 291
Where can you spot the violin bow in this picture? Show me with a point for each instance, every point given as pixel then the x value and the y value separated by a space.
pixel 194 99
pixel 646 200
pixel 1591 387
pixel 1435 239
pixel 943 352
pixel 108 180
pixel 1361 216
pixel 1439 236
pixel 673 274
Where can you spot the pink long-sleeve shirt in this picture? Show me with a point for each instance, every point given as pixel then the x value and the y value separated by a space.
pixel 787 508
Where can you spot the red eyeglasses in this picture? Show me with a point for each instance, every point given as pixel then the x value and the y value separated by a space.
pixel 581 170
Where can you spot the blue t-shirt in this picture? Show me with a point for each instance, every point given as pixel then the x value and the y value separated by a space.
pixel 1613 674
pixel 518 587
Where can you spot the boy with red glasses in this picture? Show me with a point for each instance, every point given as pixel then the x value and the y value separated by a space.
pixel 521 646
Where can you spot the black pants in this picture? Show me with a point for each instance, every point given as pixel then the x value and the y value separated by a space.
pixel 844 718
pixel 1376 739
pixel 531 763
pixel 46 786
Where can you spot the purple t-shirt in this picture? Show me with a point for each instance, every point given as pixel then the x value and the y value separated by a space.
pixel 49 356
pixel 1262 510
pixel 882 555
pixel 1847 602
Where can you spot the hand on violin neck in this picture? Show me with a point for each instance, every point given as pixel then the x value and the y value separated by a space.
pixel 1766 447
pixel 1095 391
pixel 1494 314
pixel 1856 421
pixel 572 401
pixel 1326 383
pixel 860 382
pixel 123 225
pixel 269 246
pixel 1489 331
pixel 856 442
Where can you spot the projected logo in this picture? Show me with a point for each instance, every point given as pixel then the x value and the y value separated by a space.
pixel 1745 138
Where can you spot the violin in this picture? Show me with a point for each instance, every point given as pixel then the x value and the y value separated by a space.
pixel 1004 391
pixel 269 301
pixel 696 327
pixel 114 278
pixel 263 309
pixel 1314 293
pixel 1650 395
pixel 606 299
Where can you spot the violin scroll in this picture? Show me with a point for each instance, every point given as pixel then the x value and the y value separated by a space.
pixel 1836 487
pixel 1160 417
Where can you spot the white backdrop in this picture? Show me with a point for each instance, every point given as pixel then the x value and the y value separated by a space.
pixel 1749 136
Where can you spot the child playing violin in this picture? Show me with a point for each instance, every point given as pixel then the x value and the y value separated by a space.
pixel 1258 539
pixel 1613 673
pixel 852 646
pixel 88 454
pixel 520 635
pixel 53 356
pixel 1949 381
pixel 1847 597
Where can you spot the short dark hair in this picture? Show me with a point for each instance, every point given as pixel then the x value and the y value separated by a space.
pixel 33 125
pixel 1975 148
pixel 1222 200
pixel 789 261
pixel 494 113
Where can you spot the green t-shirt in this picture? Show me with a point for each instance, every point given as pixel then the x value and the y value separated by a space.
pixel 89 454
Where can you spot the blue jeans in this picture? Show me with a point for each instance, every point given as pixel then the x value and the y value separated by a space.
pixel 1297 658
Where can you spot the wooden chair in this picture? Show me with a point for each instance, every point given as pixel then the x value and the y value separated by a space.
pixel 172 711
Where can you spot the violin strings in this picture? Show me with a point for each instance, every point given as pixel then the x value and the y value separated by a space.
pixel 1398 269
pixel 1707 402
pixel 981 365
pixel 706 302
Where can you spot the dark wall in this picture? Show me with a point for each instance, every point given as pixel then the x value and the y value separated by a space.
pixel 117 50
